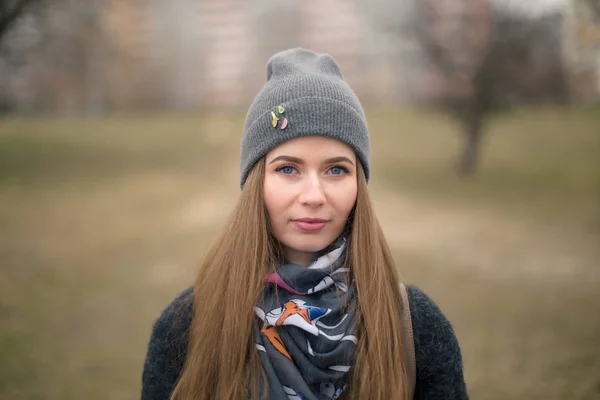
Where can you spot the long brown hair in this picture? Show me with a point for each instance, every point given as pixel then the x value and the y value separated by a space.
pixel 222 361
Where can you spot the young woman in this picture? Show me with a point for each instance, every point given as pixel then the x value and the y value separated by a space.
pixel 299 297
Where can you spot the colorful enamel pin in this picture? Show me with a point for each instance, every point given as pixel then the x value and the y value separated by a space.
pixel 275 119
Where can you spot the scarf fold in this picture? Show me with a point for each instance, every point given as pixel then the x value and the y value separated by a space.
pixel 304 330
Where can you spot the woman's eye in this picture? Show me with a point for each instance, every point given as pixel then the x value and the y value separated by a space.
pixel 338 170
pixel 286 169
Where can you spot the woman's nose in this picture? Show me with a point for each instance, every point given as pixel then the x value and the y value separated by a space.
pixel 311 192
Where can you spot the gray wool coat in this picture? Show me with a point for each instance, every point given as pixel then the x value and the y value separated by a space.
pixel 438 355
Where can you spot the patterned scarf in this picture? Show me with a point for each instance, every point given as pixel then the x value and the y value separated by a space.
pixel 305 328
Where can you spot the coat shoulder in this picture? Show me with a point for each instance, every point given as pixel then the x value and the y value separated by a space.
pixel 438 355
pixel 167 348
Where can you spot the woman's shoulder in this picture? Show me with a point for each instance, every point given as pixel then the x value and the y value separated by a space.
pixel 167 348
pixel 423 309
pixel 172 325
pixel 179 311
pixel 428 321
pixel 437 352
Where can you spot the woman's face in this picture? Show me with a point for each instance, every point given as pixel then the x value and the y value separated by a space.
pixel 309 190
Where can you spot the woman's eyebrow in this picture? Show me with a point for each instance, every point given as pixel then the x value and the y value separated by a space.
pixel 287 158
pixel 338 159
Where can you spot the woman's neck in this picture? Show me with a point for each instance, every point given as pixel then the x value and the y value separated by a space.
pixel 302 258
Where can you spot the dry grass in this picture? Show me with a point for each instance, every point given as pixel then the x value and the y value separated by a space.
pixel 102 222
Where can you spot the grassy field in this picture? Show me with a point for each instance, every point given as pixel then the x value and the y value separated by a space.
pixel 102 222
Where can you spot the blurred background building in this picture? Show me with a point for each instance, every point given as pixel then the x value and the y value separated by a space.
pixel 74 56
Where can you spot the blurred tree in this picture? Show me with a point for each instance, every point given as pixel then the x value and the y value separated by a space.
pixel 10 11
pixel 57 54
pixel 595 7
pixel 487 60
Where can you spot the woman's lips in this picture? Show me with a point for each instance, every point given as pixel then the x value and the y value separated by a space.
pixel 310 224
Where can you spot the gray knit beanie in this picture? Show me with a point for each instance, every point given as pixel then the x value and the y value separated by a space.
pixel 305 95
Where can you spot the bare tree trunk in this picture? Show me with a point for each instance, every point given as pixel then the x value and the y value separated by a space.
pixel 473 131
